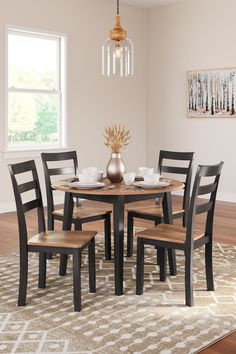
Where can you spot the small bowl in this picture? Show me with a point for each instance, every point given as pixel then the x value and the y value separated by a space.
pixel 88 178
pixel 151 179
pixel 89 170
pixel 129 178
pixel 145 171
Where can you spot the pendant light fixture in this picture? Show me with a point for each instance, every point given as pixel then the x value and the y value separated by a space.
pixel 117 52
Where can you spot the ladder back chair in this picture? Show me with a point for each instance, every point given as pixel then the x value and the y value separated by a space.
pixel 66 242
pixel 185 238
pixel 155 212
pixel 81 214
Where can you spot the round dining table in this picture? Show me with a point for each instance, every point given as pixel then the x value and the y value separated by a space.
pixel 117 194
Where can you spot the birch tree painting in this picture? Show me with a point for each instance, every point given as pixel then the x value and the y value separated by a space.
pixel 211 93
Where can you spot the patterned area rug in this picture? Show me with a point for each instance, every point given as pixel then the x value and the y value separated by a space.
pixel 156 322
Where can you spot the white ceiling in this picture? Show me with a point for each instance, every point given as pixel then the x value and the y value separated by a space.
pixel 149 3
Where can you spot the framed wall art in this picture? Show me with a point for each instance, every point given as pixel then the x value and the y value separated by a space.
pixel 211 93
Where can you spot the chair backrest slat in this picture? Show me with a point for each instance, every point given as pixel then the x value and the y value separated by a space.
pixel 173 169
pixel 203 208
pixel 206 189
pixel 28 186
pixel 58 156
pixel 207 206
pixel 61 171
pixel 35 203
pixel 23 167
pixel 176 168
pixel 209 171
pixel 176 155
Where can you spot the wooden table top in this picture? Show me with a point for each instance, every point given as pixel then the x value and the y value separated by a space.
pixel 113 189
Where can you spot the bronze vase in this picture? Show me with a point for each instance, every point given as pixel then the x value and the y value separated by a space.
pixel 115 168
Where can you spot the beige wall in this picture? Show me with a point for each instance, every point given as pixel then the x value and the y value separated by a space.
pixel 192 35
pixel 94 101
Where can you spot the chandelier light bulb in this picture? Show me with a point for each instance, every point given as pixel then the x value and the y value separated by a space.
pixel 118 50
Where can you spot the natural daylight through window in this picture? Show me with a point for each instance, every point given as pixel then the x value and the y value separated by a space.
pixel 35 90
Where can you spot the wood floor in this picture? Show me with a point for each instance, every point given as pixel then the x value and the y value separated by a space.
pixel 224 232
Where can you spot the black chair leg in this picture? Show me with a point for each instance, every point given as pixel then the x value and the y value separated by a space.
pixel 158 255
pixel 189 277
pixel 163 259
pixel 209 267
pixel 78 225
pixel 63 264
pixel 92 269
pixel 23 279
pixel 157 222
pixel 172 261
pixel 50 228
pixel 42 270
pixel 130 234
pixel 77 279
pixel 107 232
pixel 140 267
pixel 50 222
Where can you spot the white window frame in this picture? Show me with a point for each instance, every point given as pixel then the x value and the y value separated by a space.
pixel 32 150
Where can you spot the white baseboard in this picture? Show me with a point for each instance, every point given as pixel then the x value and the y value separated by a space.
pixel 226 197
pixel 5 208
pixel 221 197
pixel 8 207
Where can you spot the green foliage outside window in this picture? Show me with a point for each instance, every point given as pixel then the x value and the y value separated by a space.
pixel 33 117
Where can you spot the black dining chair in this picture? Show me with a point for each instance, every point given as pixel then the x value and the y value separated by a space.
pixel 81 214
pixel 66 242
pixel 170 162
pixel 186 238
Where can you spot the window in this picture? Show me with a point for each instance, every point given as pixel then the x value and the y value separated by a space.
pixel 35 85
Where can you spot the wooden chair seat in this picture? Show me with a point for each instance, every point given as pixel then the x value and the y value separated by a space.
pixel 153 210
pixel 62 239
pixel 83 212
pixel 169 233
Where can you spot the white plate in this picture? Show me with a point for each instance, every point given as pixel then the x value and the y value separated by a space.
pixel 144 185
pixel 80 185
pixel 138 175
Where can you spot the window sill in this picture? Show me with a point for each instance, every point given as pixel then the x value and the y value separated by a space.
pixel 19 154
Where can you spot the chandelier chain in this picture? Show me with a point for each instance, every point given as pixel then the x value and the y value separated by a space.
pixel 118 7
